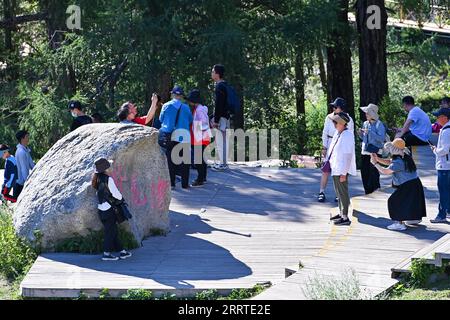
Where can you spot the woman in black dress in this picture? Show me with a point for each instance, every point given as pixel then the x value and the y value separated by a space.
pixel 407 204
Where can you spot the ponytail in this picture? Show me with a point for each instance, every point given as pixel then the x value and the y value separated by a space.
pixel 95 181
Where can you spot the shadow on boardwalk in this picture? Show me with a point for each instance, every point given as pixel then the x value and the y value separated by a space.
pixel 172 261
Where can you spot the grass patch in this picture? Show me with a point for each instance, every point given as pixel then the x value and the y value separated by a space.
pixel 9 290
pixel 345 287
pixel 156 232
pixel 16 255
pixel 427 282
pixel 93 242
pixel 143 294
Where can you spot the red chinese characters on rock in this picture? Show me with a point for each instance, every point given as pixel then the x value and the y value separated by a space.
pixel 152 193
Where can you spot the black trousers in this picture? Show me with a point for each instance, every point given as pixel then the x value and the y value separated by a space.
pixel 370 175
pixel 111 241
pixel 202 168
pixel 17 190
pixel 412 140
pixel 182 169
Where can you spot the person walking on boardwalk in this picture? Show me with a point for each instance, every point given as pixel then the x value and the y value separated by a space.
pixel 407 204
pixel 329 129
pixel 342 163
pixel 373 136
pixel 107 192
pixel 442 152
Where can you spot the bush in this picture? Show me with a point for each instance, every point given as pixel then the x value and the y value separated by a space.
pixel 207 295
pixel 93 242
pixel 16 255
pixel 242 294
pixel 138 294
pixel 347 287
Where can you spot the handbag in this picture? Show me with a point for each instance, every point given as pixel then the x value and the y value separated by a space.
pixel 165 138
pixel 326 167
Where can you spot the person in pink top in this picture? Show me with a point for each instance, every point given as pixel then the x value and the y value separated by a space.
pixel 200 136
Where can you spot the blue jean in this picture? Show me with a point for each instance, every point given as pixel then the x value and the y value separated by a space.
pixel 444 193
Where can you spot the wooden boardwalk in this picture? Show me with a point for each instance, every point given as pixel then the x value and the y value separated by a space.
pixel 245 227
pixel 366 247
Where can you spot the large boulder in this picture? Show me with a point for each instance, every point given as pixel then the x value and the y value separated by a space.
pixel 59 201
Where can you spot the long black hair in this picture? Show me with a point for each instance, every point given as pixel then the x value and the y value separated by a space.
pixel 410 165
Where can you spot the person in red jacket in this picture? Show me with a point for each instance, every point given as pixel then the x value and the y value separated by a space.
pixel 200 136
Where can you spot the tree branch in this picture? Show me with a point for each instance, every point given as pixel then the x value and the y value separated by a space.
pixel 14 22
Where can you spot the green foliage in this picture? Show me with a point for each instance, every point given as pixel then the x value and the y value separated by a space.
pixel 242 294
pixel 45 118
pixel 421 272
pixel 138 294
pixel 16 255
pixel 207 295
pixel 346 287
pixel 315 118
pixel 392 114
pixel 104 294
pixel 92 243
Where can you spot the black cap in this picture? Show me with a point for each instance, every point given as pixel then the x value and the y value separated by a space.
pixel 194 96
pixel 339 103
pixel 442 112
pixel 75 105
pixel 101 165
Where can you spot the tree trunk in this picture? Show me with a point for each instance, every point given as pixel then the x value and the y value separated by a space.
pixel 323 73
pixel 300 81
pixel 9 14
pixel 339 64
pixel 372 54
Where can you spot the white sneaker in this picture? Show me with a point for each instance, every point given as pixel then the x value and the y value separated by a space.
pixel 220 167
pixel 413 222
pixel 397 227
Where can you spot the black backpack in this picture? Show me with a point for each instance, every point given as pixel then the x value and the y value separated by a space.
pixel 233 101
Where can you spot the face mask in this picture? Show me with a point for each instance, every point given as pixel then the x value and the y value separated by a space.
pixel 74 115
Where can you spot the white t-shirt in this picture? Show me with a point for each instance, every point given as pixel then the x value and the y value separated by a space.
pixel 343 156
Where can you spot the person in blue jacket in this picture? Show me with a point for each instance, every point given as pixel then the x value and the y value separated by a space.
pixel 11 174
pixel 176 119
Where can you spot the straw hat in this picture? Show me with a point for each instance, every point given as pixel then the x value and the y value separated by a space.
pixel 372 111
pixel 341 118
pixel 397 147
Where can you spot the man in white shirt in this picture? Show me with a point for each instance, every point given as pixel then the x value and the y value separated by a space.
pixel 442 152
pixel 343 163
pixel 417 129
pixel 339 105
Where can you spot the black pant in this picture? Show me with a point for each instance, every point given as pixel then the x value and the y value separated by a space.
pixel 183 168
pixel 111 241
pixel 412 140
pixel 202 168
pixel 370 175
pixel 17 190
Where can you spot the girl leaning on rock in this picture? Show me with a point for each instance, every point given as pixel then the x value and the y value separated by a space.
pixel 106 193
